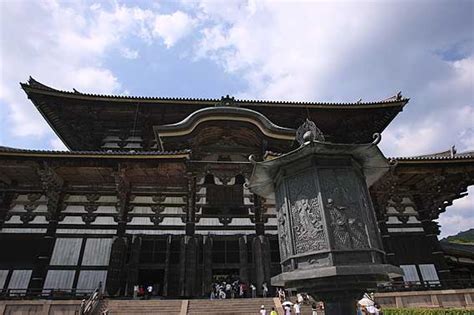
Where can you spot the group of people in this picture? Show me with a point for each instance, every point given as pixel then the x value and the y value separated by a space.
pixel 144 291
pixel 235 289
pixel 287 308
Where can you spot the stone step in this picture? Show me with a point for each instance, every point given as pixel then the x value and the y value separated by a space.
pixel 194 307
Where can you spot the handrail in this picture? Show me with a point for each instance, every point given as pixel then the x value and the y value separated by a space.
pixel 88 306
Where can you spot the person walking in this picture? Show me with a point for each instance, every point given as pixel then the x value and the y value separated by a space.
pixel 263 311
pixel 314 309
pixel 273 312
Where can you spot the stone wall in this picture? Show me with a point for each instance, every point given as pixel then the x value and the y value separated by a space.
pixel 436 298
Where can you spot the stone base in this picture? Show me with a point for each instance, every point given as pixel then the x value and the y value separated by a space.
pixel 340 303
pixel 326 275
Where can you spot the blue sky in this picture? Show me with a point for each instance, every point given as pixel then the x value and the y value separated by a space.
pixel 278 50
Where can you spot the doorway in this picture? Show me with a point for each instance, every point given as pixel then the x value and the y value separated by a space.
pixel 153 277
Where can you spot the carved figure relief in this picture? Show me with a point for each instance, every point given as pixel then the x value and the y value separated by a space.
pixel 284 241
pixel 306 214
pixel 347 209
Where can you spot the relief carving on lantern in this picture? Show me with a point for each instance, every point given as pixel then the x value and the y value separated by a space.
pixel 343 201
pixel 309 234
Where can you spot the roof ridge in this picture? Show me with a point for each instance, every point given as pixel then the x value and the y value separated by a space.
pixel 85 152
pixel 34 84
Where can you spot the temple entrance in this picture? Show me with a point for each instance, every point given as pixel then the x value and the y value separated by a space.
pixel 153 277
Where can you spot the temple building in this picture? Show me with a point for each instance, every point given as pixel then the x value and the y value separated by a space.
pixel 153 191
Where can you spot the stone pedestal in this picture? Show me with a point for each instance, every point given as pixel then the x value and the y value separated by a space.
pixel 330 246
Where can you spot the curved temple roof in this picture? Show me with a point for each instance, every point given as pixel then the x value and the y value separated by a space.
pixel 82 120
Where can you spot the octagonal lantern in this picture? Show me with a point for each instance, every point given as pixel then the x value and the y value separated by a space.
pixel 329 242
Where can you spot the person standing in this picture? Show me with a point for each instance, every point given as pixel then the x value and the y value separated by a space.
pixel 228 290
pixel 287 309
pixel 149 291
pixel 273 312
pixel 254 290
pixel 264 289
pixel 263 311
pixel 297 308
pixel 135 291
pixel 314 309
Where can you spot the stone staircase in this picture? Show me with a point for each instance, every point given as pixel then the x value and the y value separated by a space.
pixel 191 307
pixel 229 306
pixel 144 307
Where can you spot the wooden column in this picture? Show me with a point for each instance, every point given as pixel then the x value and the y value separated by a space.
pixel 432 231
pixel 167 266
pixel 261 260
pixel 207 265
pixel 258 212
pixel 52 185
pixel 123 187
pixel 243 252
pixel 191 205
pixel 132 267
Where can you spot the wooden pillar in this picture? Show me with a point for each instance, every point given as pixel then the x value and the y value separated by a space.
pixel 191 205
pixel 243 252
pixel 188 266
pixel 123 188
pixel 182 266
pixel 52 186
pixel 261 260
pixel 206 265
pixel 167 265
pixel 132 267
pixel 116 270
pixel 258 212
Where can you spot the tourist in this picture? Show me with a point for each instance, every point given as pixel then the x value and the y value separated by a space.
pixel 222 294
pixel 141 291
pixel 228 290
pixel 254 290
pixel 281 294
pixel 149 291
pixel 264 289
pixel 299 298
pixel 263 311
pixel 135 291
pixel 287 309
pixel 241 290
pixel 273 312
pixel 297 308
pixel 314 309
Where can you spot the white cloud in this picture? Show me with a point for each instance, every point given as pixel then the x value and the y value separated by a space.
pixel 343 51
pixel 129 53
pixel 459 216
pixel 62 46
pixel 172 27
pixel 57 144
